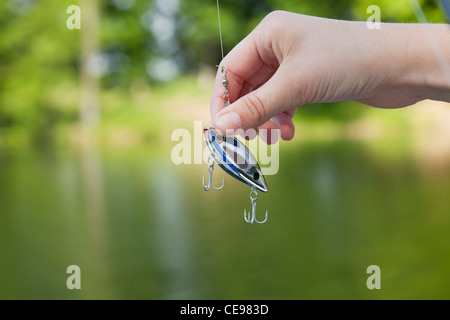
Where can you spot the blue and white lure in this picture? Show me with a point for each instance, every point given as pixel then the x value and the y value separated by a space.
pixel 236 160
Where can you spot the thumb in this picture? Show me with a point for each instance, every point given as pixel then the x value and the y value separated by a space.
pixel 259 106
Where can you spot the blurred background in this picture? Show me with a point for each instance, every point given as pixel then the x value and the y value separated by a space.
pixel 86 176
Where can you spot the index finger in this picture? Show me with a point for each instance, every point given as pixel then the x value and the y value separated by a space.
pixel 241 63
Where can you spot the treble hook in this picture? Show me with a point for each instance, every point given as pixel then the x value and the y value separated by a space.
pixel 210 170
pixel 254 198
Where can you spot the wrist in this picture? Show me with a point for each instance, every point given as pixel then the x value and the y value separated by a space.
pixel 427 60
pixel 406 63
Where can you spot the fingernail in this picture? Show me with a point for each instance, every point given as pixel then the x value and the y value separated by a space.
pixel 229 120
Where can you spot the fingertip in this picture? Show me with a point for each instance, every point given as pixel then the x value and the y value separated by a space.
pixel 287 133
pixel 227 120
pixel 285 124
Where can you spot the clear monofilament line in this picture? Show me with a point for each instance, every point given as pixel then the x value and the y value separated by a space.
pixel 220 28
pixel 226 94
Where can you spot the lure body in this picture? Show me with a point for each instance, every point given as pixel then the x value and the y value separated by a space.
pixel 235 159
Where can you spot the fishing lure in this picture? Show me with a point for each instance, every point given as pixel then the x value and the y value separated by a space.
pixel 236 160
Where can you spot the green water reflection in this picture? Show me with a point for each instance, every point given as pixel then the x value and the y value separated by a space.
pixel 140 227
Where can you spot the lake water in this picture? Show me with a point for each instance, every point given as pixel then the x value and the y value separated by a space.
pixel 140 227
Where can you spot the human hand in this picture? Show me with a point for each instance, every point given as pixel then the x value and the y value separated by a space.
pixel 289 60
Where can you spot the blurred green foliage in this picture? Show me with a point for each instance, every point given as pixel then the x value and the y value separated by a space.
pixel 142 42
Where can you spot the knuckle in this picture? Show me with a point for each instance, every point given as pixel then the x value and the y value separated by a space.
pixel 253 108
pixel 273 24
pixel 276 15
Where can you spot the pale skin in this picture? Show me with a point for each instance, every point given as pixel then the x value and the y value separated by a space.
pixel 290 59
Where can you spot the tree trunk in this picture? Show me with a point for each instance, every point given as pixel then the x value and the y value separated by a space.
pixel 90 45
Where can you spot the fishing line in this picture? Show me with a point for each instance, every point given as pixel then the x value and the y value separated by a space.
pixel 220 28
